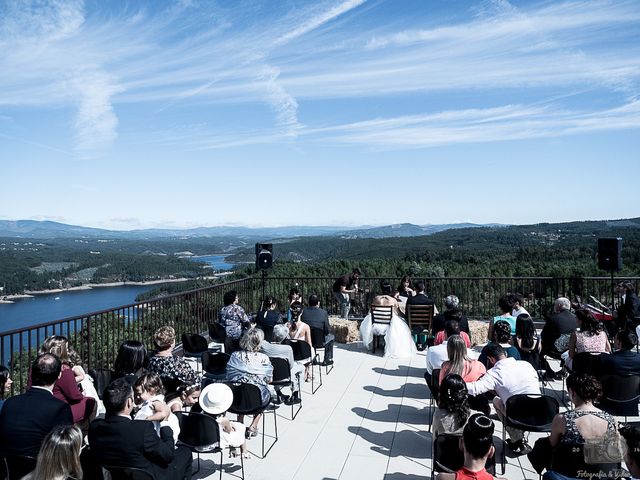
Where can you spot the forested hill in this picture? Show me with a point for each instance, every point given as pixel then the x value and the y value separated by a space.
pixel 561 249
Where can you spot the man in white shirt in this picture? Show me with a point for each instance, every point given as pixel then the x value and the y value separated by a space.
pixel 507 377
pixel 517 301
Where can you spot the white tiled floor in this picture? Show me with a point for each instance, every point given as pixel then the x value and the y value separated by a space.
pixel 369 420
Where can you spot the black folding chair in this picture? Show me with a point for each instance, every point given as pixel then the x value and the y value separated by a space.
pixel 101 379
pixel 193 346
pixel 380 315
pixel 247 400
pixel 446 455
pixel 434 388
pixel 17 466
pixel 128 473
pixel 620 395
pixel 201 434
pixel 218 335
pixel 282 378
pixel 318 343
pixel 301 352
pixel 215 366
pixel 568 459
pixel 528 412
pixel 586 362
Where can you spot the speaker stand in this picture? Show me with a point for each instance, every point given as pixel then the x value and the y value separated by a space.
pixel 264 282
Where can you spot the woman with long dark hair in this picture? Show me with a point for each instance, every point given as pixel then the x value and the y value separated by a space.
pixel 130 361
pixel 453 406
pixel 527 340
pixel 404 288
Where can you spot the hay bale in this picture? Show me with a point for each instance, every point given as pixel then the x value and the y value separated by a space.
pixel 478 330
pixel 345 331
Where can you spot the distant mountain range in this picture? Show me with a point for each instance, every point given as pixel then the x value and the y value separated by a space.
pixel 46 229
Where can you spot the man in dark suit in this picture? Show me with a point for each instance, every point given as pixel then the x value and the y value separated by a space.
pixel 27 418
pixel 623 361
pixel 317 317
pixel 561 323
pixel 117 440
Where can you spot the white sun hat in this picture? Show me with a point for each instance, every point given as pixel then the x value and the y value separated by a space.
pixel 216 398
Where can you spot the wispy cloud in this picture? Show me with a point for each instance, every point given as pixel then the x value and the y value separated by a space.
pixel 498 124
pixel 102 59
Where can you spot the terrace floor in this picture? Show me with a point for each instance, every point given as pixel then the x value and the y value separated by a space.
pixel 369 420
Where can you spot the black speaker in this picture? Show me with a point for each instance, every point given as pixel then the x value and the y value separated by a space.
pixel 610 254
pixel 264 256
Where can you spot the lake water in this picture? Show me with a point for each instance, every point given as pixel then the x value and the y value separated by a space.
pixel 55 306
pixel 218 262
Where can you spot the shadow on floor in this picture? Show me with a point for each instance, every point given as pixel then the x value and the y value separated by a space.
pixel 409 390
pixel 403 443
pixel 403 476
pixel 395 413
pixel 401 372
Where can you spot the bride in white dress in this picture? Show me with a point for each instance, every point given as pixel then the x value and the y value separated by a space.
pixel 398 342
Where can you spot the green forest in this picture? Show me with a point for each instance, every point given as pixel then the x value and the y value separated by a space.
pixel 553 250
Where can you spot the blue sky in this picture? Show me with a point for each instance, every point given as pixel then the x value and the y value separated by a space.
pixel 177 114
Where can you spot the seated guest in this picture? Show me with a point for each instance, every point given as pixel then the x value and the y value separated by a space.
pixel 5 384
pixel 590 337
pixel 148 394
pixel 59 457
pixel 66 387
pixel 477 445
pixel 249 365
pixel 440 337
pixel 420 297
pixel 27 418
pixel 459 363
pixel 130 361
pixel 585 422
pixel 119 441
pixel 631 435
pixel 300 331
pixel 506 307
pixel 437 354
pixel 398 342
pixel 507 377
pixel 517 300
pixel 317 317
pixel 404 288
pixel 184 399
pixel 527 341
pixel 268 316
pixel 294 296
pixel 502 337
pixel 558 329
pixel 623 361
pixel 232 316
pixel 215 400
pixel 174 371
pixel 276 349
pixel 452 312
pixel 453 407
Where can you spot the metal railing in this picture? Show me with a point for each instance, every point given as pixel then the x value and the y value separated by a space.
pixel 96 336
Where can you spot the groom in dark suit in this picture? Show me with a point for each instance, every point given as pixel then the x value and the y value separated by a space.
pixel 27 418
pixel 119 441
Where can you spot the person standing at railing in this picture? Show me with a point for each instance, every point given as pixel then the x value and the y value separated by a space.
pixel 342 287
pixel 233 317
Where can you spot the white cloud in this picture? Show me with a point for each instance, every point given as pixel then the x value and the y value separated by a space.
pixel 505 123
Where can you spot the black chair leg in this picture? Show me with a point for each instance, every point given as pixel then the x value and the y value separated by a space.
pixel 504 448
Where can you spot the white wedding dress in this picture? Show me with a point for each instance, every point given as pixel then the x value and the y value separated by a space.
pixel 398 342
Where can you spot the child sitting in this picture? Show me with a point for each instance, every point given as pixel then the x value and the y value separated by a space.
pixel 184 398
pixel 215 400
pixel 477 445
pixel 149 396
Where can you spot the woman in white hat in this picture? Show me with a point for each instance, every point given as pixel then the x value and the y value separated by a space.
pixel 215 399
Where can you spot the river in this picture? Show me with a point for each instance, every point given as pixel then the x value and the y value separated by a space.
pixel 55 306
